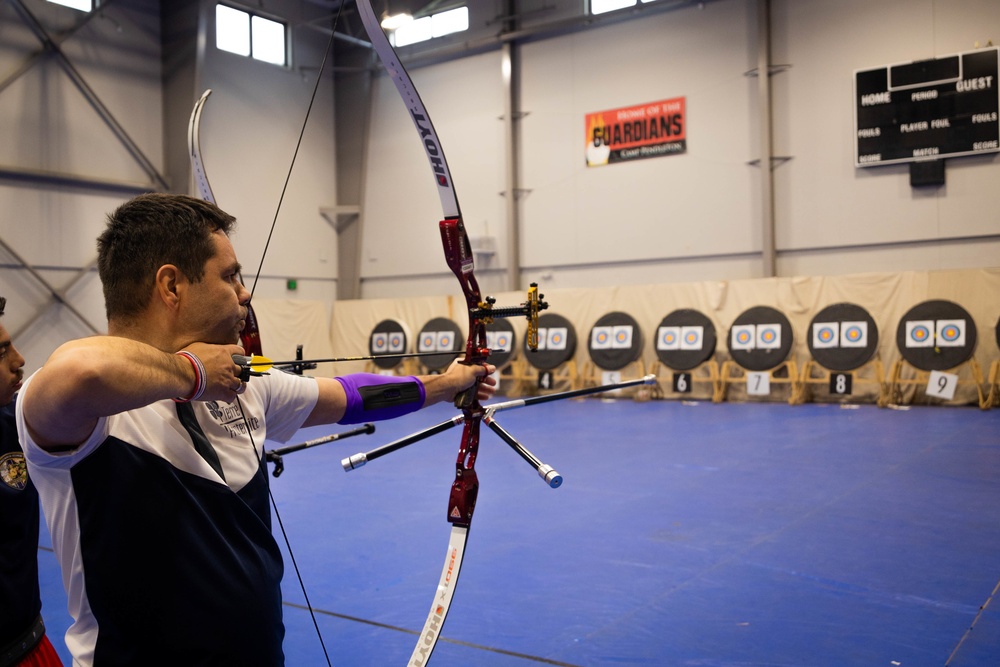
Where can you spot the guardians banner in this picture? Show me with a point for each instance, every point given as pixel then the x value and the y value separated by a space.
pixel 654 129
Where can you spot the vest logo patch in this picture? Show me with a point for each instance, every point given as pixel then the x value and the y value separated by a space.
pixel 14 470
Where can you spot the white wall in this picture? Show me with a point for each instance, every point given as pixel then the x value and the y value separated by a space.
pixel 822 201
pixel 695 216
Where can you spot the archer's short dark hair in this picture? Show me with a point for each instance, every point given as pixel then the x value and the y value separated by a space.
pixel 3 304
pixel 147 232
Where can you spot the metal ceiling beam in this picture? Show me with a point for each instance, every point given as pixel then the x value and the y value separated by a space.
pixel 53 48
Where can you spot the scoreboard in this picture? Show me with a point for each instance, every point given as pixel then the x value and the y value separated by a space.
pixel 928 109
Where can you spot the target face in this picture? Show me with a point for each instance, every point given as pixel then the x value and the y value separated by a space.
pixel 388 337
pixel 668 338
pixel 685 339
pixel 615 341
pixel 825 334
pixel 936 335
pixel 843 337
pixel 950 333
pixel 760 338
pixel 920 333
pixel 692 338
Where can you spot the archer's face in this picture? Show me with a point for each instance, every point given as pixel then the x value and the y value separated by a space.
pixel 217 309
pixel 11 368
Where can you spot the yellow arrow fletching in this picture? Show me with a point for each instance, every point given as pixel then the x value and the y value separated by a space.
pixel 260 364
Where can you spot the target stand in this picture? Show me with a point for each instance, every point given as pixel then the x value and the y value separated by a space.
pixel 936 340
pixel 760 340
pixel 685 349
pixel 843 340
pixel 615 349
pixel 551 367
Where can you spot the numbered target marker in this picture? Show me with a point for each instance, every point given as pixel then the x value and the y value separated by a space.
pixel 841 383
pixel 942 385
pixel 758 384
pixel 682 383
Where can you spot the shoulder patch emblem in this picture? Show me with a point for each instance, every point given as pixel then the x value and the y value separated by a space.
pixel 14 470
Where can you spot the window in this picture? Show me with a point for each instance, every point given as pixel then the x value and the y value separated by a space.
pixel 604 6
pixel 429 27
pixel 82 5
pixel 248 34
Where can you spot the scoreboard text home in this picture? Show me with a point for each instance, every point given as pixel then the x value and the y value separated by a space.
pixel 927 110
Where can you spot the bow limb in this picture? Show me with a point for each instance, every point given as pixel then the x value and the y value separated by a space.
pixel 458 254
pixel 250 335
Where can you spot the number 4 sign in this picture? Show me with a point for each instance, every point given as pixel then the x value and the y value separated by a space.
pixel 942 385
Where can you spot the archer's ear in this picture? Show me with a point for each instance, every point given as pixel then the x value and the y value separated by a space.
pixel 168 281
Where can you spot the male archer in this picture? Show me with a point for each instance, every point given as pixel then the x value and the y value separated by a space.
pixel 147 448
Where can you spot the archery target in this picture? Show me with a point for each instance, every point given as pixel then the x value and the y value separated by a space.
pixel 936 335
pixel 760 338
pixel 920 333
pixel 388 337
pixel 621 337
pixel 556 343
pixel 615 341
pixel 826 334
pixel 843 337
pixel 600 338
pixel 743 337
pixel 950 333
pixel 854 334
pixel 769 336
pixel 439 335
pixel 685 340
pixel 668 338
pixel 692 338
pixel 501 340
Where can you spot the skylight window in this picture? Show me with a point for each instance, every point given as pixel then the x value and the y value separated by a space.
pixel 429 27
pixel 605 6
pixel 82 5
pixel 248 34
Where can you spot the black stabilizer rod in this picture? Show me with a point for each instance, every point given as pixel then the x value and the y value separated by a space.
pixel 546 472
pixel 574 393
pixel 358 460
pixel 275 455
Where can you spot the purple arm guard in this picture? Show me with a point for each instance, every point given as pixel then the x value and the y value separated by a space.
pixel 373 397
